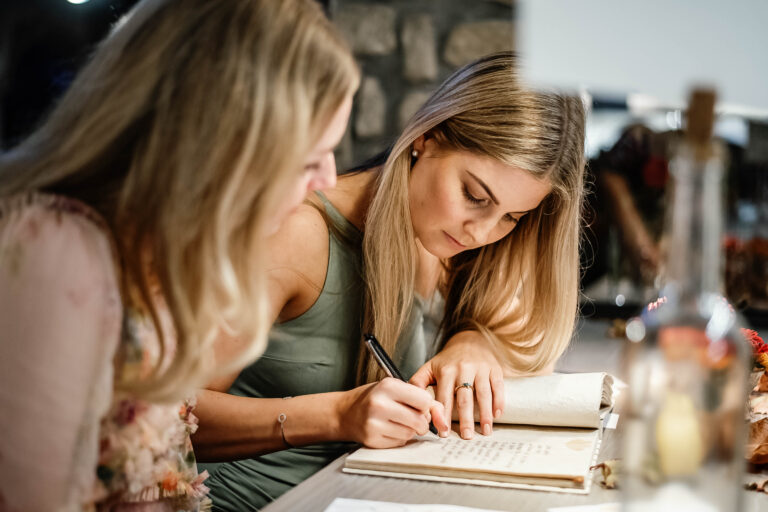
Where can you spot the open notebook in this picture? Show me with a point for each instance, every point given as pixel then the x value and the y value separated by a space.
pixel 550 438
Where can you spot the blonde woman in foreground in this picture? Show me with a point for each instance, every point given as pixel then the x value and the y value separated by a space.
pixel 132 227
pixel 478 202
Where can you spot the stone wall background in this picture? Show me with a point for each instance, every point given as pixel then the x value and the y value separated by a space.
pixel 405 48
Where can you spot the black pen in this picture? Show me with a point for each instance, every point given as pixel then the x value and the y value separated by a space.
pixel 386 364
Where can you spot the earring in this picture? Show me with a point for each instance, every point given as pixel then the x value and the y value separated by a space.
pixel 414 153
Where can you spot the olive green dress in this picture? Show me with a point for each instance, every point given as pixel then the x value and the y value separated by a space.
pixel 313 353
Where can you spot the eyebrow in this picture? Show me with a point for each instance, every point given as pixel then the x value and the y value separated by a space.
pixel 488 191
pixel 485 187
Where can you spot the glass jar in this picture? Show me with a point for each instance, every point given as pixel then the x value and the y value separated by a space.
pixel 688 363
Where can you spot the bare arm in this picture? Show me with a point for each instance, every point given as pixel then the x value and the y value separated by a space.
pixel 382 414
pixel 634 232
pixel 234 427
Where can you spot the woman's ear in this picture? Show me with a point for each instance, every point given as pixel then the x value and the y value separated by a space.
pixel 418 144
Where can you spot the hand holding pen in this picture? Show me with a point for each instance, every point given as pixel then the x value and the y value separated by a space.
pixel 389 367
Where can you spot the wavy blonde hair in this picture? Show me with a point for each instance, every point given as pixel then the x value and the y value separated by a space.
pixel 184 131
pixel 520 292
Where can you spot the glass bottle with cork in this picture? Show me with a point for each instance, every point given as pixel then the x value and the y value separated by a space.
pixel 687 362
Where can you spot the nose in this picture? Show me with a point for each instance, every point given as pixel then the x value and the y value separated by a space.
pixel 479 230
pixel 325 177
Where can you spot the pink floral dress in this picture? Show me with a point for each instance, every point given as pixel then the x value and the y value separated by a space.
pixel 68 442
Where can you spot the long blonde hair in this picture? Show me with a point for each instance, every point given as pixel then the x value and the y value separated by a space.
pixel 184 131
pixel 520 292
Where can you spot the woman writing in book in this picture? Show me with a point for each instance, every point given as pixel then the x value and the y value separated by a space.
pixel 478 202
pixel 132 227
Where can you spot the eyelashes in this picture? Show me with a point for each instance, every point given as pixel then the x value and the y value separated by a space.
pixel 510 218
pixel 472 199
pixel 480 202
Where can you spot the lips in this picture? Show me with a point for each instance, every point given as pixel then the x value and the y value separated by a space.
pixel 454 242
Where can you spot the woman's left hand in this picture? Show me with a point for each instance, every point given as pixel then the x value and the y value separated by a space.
pixel 467 358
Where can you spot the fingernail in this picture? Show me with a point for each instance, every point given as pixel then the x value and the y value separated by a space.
pixel 444 433
pixel 487 429
pixel 466 433
pixel 497 413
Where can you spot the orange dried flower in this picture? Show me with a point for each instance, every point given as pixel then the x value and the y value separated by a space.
pixel 170 481
pixel 758 345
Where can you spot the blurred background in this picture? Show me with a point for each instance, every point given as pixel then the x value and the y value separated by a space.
pixel 405 49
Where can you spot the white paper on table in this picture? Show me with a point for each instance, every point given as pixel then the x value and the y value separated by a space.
pixel 351 505
pixel 601 507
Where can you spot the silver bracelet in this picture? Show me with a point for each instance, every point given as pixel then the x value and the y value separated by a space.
pixel 281 419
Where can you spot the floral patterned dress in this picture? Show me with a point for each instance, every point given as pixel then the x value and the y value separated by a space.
pixel 145 452
pixel 68 442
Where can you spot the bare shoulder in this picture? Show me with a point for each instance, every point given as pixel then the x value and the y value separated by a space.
pixel 298 261
pixel 300 241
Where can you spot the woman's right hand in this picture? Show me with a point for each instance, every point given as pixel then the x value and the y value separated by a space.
pixel 388 413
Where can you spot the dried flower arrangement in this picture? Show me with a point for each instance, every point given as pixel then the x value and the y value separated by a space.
pixel 757 414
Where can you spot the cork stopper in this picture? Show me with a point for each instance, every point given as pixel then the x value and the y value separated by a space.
pixel 701 121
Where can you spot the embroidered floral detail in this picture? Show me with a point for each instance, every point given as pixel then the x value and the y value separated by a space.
pixel 145 451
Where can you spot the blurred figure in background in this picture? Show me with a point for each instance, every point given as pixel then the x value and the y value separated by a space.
pixel 133 225
pixel 626 237
pixel 631 178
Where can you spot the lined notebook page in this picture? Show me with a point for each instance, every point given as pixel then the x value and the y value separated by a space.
pixel 527 451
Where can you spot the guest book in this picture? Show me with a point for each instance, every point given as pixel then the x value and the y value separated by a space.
pixel 547 439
